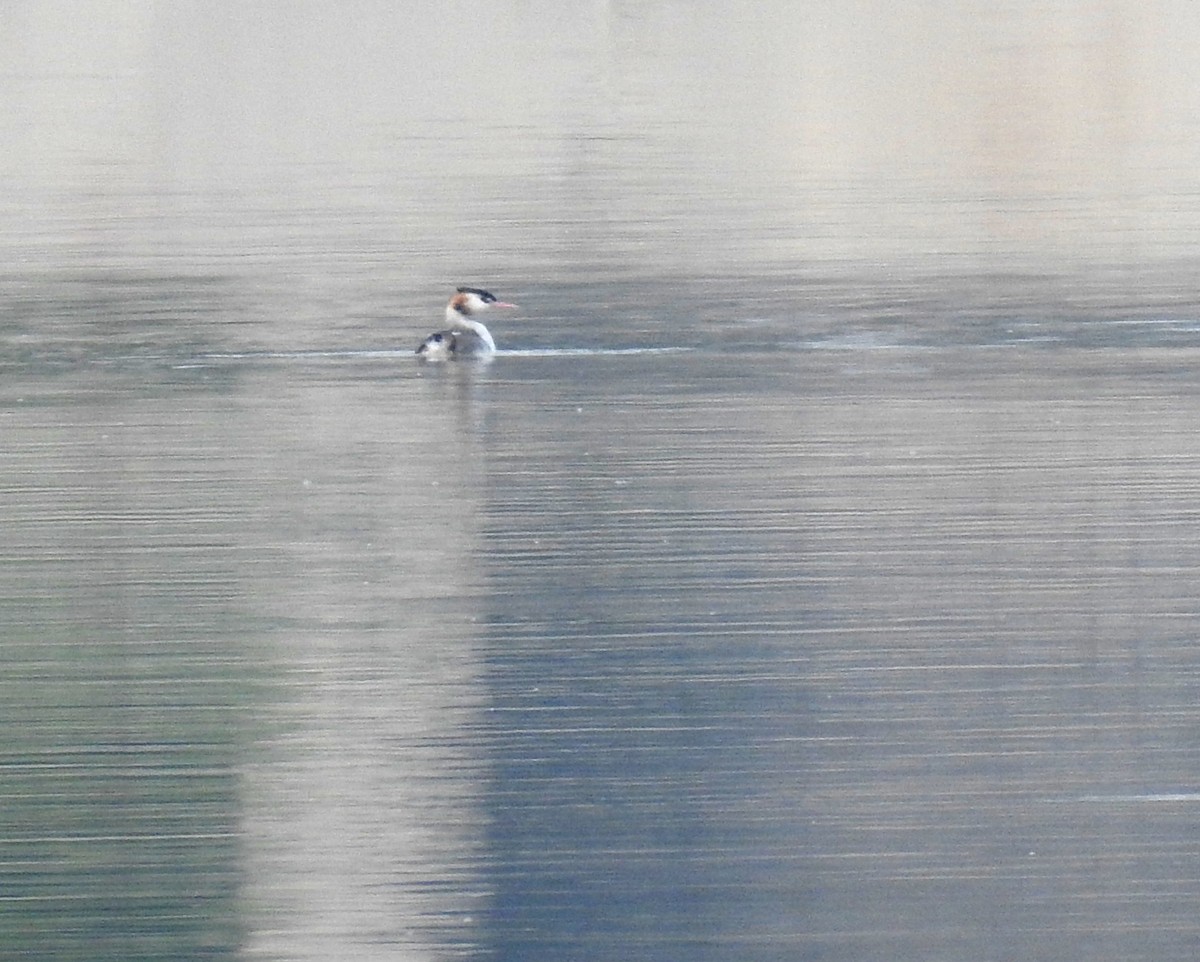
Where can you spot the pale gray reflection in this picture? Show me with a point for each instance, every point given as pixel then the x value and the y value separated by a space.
pixel 360 812
pixel 621 139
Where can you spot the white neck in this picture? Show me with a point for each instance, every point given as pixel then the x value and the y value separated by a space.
pixel 459 322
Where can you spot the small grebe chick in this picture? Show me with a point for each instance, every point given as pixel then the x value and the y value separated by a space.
pixel 464 336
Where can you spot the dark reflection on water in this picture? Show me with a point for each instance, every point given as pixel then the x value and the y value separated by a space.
pixel 124 692
pixel 879 670
pixel 814 576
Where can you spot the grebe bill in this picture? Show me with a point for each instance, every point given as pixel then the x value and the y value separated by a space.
pixel 464 336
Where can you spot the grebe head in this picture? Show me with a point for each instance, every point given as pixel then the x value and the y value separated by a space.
pixel 472 300
pixel 438 346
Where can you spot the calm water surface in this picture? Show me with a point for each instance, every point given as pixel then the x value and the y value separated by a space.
pixel 860 624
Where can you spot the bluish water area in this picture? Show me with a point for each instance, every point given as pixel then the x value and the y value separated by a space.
pixel 810 575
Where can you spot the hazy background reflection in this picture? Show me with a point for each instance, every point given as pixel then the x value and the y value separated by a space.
pixel 862 626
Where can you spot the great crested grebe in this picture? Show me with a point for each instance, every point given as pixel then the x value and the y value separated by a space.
pixel 464 336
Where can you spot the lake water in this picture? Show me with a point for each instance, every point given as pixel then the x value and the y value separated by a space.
pixel 813 574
